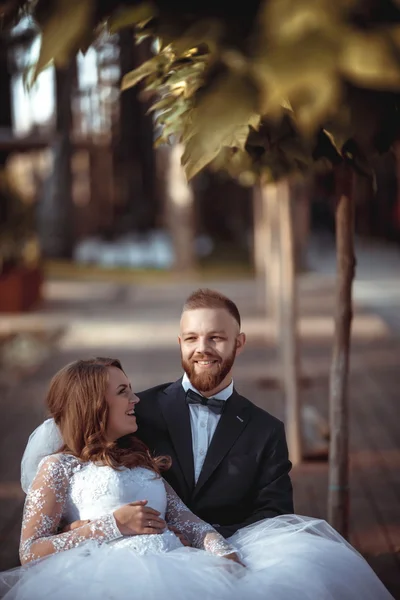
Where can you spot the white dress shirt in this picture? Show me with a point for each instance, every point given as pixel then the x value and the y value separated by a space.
pixel 203 423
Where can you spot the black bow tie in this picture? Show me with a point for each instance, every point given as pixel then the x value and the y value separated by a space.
pixel 215 405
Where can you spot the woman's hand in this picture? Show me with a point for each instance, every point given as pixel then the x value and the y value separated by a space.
pixel 138 519
pixel 74 525
pixel 235 558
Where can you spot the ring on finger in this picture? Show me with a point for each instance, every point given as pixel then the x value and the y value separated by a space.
pixel 149 524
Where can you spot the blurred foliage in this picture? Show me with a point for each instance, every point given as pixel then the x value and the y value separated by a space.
pixel 19 245
pixel 259 89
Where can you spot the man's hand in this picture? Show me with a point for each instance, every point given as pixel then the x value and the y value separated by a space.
pixel 181 536
pixel 74 525
pixel 136 518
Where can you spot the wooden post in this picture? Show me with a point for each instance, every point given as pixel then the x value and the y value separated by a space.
pixel 180 211
pixel 272 253
pixel 281 295
pixel 260 246
pixel 288 323
pixel 338 496
pixel 301 221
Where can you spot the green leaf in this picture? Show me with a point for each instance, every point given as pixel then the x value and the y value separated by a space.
pixel 64 31
pixel 131 15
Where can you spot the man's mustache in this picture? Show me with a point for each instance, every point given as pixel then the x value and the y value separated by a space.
pixel 205 357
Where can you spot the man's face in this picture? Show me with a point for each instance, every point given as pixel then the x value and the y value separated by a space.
pixel 210 339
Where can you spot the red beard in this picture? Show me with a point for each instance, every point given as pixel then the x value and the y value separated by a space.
pixel 206 382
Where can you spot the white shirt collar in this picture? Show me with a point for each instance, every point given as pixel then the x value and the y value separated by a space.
pixel 222 395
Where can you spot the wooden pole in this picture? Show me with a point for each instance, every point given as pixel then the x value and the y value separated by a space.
pixel 180 214
pixel 338 496
pixel 272 257
pixel 288 323
pixel 260 246
pixel 281 295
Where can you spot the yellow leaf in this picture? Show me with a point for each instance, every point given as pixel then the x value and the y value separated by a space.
pixel 149 67
pixel 172 115
pixel 163 104
pixel 132 15
pixel 369 60
pixel 288 21
pixel 220 119
pixel 64 32
pixel 237 164
pixel 203 32
pixel 301 76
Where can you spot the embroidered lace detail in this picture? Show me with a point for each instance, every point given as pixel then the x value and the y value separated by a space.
pixel 65 490
pixel 105 482
pixel 199 533
pixel 43 511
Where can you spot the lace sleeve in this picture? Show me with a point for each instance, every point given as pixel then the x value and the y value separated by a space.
pixel 43 510
pixel 199 533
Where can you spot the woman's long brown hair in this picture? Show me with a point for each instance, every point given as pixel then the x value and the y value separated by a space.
pixel 77 402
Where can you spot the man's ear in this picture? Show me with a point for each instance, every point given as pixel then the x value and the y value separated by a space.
pixel 179 340
pixel 240 343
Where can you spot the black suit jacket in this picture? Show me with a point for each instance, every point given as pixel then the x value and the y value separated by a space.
pixel 245 476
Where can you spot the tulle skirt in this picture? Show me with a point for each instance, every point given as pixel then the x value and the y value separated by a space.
pixel 287 558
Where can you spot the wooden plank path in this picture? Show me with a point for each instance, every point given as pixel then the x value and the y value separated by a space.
pixel 374 393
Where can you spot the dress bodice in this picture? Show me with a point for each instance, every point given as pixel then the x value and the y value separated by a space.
pixel 98 490
pixel 67 489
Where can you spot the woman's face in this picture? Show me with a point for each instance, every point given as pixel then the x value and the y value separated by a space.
pixel 121 405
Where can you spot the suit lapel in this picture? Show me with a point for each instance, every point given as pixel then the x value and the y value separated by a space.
pixel 177 416
pixel 231 424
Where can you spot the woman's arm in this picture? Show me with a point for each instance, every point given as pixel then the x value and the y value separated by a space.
pixel 43 510
pixel 201 534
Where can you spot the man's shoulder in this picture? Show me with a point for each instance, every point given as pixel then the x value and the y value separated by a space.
pixel 153 392
pixel 261 416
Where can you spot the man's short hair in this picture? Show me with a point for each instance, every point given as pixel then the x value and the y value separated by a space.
pixel 205 298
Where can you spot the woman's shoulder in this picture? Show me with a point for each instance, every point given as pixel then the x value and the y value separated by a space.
pixel 60 462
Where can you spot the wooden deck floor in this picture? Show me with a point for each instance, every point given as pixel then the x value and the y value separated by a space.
pixel 374 426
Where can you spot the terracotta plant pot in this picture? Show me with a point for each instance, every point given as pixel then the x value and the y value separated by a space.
pixel 20 289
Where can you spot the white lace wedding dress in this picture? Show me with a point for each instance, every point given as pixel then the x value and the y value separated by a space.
pixel 289 557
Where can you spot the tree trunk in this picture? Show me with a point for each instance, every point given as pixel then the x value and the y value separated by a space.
pixel 338 497
pixel 282 302
pixel 5 95
pixel 134 163
pixel 56 207
pixel 179 211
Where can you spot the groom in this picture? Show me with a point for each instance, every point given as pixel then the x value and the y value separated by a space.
pixel 229 458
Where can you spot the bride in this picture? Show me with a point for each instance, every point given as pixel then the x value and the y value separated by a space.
pixel 104 475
